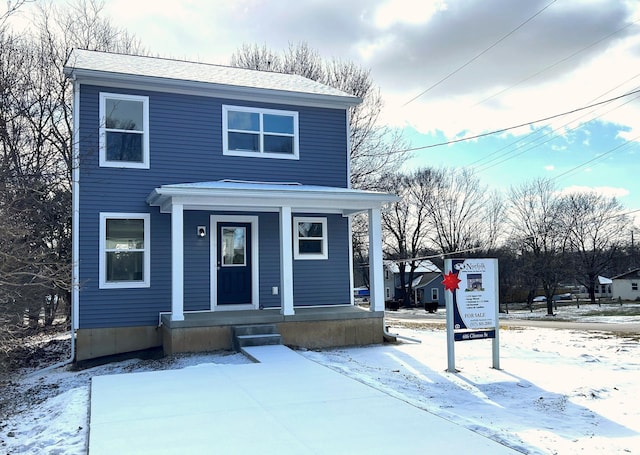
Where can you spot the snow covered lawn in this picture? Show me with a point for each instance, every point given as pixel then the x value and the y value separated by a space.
pixel 559 391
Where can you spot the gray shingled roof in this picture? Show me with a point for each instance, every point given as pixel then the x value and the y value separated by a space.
pixel 93 63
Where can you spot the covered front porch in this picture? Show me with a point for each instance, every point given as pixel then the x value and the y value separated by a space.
pixel 322 324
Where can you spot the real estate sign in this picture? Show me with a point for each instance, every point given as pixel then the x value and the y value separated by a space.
pixel 472 303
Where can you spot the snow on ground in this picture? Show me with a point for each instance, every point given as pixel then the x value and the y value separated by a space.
pixel 558 392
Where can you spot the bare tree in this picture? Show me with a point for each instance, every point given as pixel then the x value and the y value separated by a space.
pixel 405 224
pixel 376 150
pixel 537 224
pixel 36 157
pixel 595 225
pixel 462 214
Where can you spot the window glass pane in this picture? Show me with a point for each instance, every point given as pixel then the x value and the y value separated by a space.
pixel 278 123
pixel 306 229
pixel 310 246
pixel 233 246
pixel 124 147
pixel 125 266
pixel 278 144
pixel 247 121
pixel 244 141
pixel 124 114
pixel 125 234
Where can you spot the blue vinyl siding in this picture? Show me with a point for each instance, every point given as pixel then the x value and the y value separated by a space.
pixel 197 253
pixel 269 259
pixel 325 281
pixel 185 141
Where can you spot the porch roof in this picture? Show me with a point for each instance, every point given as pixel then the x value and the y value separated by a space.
pixel 266 197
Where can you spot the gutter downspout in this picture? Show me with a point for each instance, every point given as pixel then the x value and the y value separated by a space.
pixel 395 335
pixel 75 230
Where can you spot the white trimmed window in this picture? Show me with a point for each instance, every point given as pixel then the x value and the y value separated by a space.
pixel 124 131
pixel 310 238
pixel 264 133
pixel 434 294
pixel 124 250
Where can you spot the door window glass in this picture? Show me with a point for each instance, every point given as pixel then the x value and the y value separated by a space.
pixel 233 249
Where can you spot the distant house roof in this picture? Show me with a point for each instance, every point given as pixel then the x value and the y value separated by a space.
pixel 427 279
pixel 604 280
pixel 424 266
pixel 631 274
pixel 154 72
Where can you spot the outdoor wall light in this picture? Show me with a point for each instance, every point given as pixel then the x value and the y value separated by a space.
pixel 202 231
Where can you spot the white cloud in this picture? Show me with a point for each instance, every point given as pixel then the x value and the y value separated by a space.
pixel 603 190
pixel 406 11
pixel 549 167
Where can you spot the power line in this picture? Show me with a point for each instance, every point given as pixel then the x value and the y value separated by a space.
pixel 487 165
pixel 479 55
pixel 595 43
pixel 599 157
pixel 502 130
pixel 534 133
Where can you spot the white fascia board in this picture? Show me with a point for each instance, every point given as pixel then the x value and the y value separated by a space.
pixel 342 202
pixel 210 89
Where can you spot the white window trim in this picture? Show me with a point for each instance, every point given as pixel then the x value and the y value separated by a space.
pixel 145 135
pixel 146 282
pixel 297 238
pixel 281 156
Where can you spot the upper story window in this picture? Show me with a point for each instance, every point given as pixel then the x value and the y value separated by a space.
pixel 264 133
pixel 310 238
pixel 124 131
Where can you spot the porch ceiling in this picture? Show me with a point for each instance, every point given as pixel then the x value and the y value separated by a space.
pixel 266 197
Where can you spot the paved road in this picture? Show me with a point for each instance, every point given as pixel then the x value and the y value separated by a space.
pixel 626 327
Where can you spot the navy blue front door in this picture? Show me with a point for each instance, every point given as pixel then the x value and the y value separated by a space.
pixel 234 263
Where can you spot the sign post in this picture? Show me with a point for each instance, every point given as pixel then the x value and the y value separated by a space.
pixel 472 305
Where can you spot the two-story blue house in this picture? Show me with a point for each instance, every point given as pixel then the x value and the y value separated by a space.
pixel 207 196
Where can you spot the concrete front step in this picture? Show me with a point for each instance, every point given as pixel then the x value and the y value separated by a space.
pixel 255 335
pixel 254 329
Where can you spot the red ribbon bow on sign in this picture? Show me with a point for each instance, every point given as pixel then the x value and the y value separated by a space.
pixel 451 281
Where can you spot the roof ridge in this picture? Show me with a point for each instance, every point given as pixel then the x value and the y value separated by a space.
pixel 219 65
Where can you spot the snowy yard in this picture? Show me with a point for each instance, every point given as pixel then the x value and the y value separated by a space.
pixel 559 391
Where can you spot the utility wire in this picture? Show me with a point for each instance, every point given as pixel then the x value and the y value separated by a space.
pixel 487 165
pixel 599 157
pixel 536 132
pixel 479 55
pixel 502 130
pixel 595 43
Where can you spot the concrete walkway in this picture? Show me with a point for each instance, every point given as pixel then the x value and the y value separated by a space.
pixel 286 404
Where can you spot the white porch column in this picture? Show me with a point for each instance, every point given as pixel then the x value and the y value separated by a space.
pixel 177 263
pixel 286 262
pixel 376 276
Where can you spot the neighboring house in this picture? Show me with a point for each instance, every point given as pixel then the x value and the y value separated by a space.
pixel 393 286
pixel 626 286
pixel 603 289
pixel 206 197
pixel 430 290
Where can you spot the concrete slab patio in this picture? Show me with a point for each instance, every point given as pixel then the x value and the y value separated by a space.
pixel 285 404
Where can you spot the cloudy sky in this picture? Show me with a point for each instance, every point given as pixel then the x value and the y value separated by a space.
pixel 454 68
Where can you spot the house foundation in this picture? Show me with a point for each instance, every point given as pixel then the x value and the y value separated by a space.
pixel 310 328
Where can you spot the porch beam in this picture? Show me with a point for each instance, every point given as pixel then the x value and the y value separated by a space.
pixel 376 277
pixel 177 262
pixel 286 262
